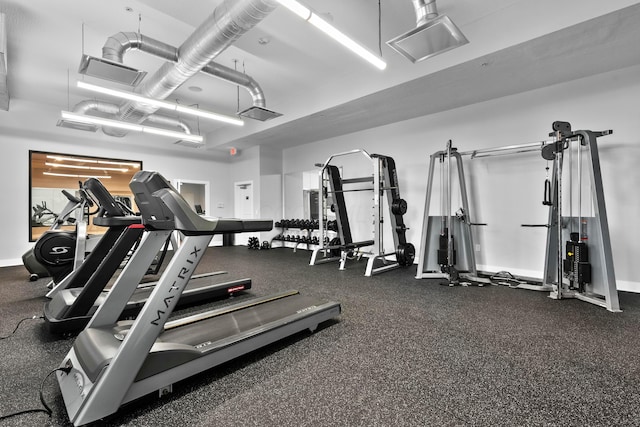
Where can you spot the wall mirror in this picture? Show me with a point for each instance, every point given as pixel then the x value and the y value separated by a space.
pixel 51 173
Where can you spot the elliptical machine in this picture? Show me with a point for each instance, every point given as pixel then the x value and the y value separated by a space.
pixel 57 252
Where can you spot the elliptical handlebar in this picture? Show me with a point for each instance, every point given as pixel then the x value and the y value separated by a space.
pixel 71 197
pixel 108 206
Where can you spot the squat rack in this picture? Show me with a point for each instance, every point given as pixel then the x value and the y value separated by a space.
pixel 385 181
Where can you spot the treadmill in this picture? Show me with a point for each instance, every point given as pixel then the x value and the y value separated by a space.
pixel 78 296
pixel 112 363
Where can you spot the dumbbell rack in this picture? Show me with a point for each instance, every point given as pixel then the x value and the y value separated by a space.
pixel 303 242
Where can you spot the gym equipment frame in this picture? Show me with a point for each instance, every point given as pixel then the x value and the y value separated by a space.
pixel 451 261
pixel 587 272
pixel 57 252
pixel 112 363
pixel 385 181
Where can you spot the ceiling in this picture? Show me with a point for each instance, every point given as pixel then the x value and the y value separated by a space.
pixel 321 89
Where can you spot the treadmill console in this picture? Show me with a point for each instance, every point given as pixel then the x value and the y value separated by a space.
pixel 154 213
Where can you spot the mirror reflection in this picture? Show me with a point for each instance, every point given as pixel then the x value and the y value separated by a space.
pixel 55 198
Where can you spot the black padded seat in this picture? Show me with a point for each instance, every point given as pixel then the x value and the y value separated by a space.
pixel 352 245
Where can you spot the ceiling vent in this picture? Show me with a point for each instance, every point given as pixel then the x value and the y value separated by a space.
pixel 110 70
pixel 259 113
pixel 190 144
pixel 434 34
pixel 63 123
pixel 4 89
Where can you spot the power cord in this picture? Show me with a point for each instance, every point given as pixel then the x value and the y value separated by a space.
pixel 18 325
pixel 47 410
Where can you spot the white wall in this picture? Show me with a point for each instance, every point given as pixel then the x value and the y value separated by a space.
pixel 262 166
pixel 14 183
pixel 507 191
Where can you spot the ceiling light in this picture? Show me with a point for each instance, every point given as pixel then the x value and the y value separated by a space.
pixel 60 165
pixel 82 160
pixel 160 103
pixel 315 20
pixel 81 118
pixel 75 176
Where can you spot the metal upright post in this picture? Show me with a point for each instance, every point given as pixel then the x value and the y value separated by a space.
pixel 447 212
pixel 559 159
pixel 422 258
pixel 604 249
pixel 377 207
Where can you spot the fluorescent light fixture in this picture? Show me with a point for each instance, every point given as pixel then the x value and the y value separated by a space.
pixel 129 126
pixel 295 7
pixel 160 103
pixel 315 20
pixel 102 162
pixel 60 165
pixel 75 176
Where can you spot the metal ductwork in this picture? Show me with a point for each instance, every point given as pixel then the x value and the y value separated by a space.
pixel 228 22
pixel 434 34
pixel 117 45
pixel 110 109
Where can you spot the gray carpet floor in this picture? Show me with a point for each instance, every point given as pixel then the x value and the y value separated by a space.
pixel 404 352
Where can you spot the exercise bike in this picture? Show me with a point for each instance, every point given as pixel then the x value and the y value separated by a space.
pixel 57 252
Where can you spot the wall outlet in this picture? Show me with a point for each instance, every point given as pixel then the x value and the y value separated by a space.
pixel 477 247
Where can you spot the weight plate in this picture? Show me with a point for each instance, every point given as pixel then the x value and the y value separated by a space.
pixel 399 207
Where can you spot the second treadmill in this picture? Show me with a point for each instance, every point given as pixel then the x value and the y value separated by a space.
pixel 80 294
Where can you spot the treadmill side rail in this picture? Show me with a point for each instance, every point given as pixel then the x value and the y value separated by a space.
pixel 86 379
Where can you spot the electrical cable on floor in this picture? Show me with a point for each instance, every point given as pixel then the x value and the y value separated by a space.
pixel 47 410
pixel 18 325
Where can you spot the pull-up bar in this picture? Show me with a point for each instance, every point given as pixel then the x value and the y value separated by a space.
pixel 346 153
pixel 508 149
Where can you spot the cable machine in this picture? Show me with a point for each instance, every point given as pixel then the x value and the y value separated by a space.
pixel 342 246
pixel 584 269
pixel 578 257
pixel 454 259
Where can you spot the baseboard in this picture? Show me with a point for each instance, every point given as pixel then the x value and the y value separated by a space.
pixel 627 286
pixel 10 262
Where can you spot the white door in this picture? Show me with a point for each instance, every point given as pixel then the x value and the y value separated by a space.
pixel 243 201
